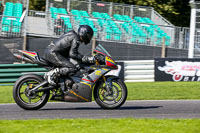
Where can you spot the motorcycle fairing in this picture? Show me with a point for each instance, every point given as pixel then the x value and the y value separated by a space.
pixel 28 53
pixel 32 57
pixel 82 92
pixel 33 54
pixel 110 62
pixel 91 79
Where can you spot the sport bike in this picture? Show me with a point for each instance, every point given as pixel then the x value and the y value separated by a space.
pixel 32 91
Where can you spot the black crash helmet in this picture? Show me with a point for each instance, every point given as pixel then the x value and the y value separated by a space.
pixel 86 33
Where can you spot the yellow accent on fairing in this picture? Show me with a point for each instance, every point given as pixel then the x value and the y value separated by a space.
pixel 109 59
pixel 86 84
pixel 105 69
pixel 98 73
pixel 29 54
pixel 79 96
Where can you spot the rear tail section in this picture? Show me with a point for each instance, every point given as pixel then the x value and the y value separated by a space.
pixel 26 56
pixel 30 57
pixel 22 58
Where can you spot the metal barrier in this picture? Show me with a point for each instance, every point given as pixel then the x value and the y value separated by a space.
pixel 103 7
pixel 38 24
pixel 177 36
pixel 108 7
pixel 156 17
pixel 139 71
pixel 42 24
pixel 134 71
pixel 12 25
pixel 9 73
pixel 38 14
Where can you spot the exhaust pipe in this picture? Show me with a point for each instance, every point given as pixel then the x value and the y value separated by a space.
pixel 19 57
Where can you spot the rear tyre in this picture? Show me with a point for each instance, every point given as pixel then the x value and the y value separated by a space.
pixel 22 96
pixel 110 99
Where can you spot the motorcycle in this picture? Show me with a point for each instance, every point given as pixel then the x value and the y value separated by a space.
pixel 32 91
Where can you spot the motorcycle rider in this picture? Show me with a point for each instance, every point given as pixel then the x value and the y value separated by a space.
pixel 60 50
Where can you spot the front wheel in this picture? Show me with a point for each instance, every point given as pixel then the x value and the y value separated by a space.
pixel 110 97
pixel 22 96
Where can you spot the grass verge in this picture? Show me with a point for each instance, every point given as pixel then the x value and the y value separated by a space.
pixel 140 91
pixel 163 91
pixel 128 125
pixel 6 94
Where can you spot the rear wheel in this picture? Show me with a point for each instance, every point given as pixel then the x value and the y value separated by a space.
pixel 113 97
pixel 22 95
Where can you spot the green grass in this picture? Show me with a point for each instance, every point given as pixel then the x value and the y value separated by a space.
pixel 136 91
pixel 128 125
pixel 6 94
pixel 140 91
pixel 163 90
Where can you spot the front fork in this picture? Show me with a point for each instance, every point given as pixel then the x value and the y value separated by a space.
pixel 109 85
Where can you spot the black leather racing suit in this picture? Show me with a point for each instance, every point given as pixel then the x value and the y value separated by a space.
pixel 59 52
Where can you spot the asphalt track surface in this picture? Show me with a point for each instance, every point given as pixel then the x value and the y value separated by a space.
pixel 131 109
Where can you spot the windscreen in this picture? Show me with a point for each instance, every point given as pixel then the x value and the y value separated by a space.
pixel 100 48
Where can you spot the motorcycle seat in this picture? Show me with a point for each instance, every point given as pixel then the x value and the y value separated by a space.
pixel 42 61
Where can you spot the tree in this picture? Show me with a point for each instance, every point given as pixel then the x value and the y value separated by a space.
pixel 176 11
pixel 38 5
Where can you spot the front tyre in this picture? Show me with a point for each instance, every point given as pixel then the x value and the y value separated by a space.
pixel 111 98
pixel 22 96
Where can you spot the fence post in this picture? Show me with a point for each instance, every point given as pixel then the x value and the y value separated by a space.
pixel 192 29
pixel 26 25
pixel 131 12
pixel 111 8
pixel 123 10
pixel 93 45
pixel 89 6
pixel 3 2
pixel 47 7
pixel 68 5
pixel 152 13
pixel 163 48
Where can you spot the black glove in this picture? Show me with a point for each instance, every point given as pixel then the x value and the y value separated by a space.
pixel 90 60
pixel 100 58
pixel 78 67
pixel 97 58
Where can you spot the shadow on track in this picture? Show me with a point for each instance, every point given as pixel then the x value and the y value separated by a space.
pixel 98 108
pixel 138 107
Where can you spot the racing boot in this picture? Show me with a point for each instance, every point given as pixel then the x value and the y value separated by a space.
pixel 52 75
pixel 64 71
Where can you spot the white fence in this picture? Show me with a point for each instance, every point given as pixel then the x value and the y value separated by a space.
pixel 139 71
